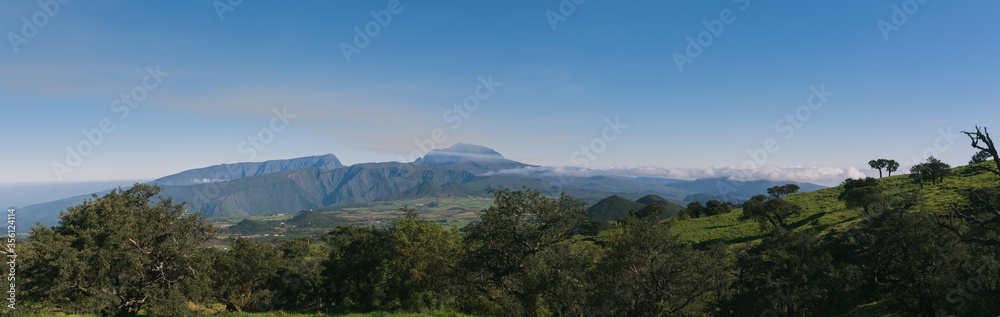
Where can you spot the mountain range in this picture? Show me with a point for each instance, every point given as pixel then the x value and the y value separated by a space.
pixel 289 186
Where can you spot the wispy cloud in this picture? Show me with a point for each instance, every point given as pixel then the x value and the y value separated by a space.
pixel 818 175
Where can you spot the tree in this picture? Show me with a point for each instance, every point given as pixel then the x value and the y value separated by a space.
pixel 422 258
pixel 770 212
pixel 891 166
pixel 647 271
pixel 121 253
pixel 919 173
pixel 505 245
pixel 939 169
pixel 350 271
pixel 714 207
pixel 884 164
pixel 980 157
pixel 787 274
pixel 933 170
pixel 982 141
pixel 862 193
pixel 912 262
pixel 694 209
pixel 242 274
pixel 787 189
pixel 878 164
pixel 299 281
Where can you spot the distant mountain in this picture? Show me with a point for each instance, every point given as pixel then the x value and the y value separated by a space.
pixel 735 191
pixel 657 180
pixel 321 182
pixel 228 172
pixel 704 197
pixel 48 213
pixel 429 189
pixel 296 190
pixel 469 157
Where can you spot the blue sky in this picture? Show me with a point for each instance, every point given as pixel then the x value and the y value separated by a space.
pixel 893 97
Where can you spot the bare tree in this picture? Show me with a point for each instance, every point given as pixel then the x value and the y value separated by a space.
pixel 981 140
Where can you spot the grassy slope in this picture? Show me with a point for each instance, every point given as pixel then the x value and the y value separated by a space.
pixel 822 211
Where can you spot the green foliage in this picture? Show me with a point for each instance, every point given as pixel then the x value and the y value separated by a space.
pixel 421 260
pixel 880 164
pixel 911 260
pixel 694 209
pixel 119 254
pixel 934 170
pixel 787 274
pixel 770 212
pixel 407 266
pixel 646 271
pixel 505 248
pixel 980 157
pixel 778 191
pixel 715 207
pixel 242 273
pixel 861 193
pixel 891 166
pixel 351 269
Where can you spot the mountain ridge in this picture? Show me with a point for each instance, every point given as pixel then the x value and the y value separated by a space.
pixel 288 186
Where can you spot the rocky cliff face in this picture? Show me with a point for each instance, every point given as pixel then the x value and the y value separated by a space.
pixel 228 172
pixel 298 190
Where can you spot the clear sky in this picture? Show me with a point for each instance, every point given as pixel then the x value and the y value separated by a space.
pixel 559 77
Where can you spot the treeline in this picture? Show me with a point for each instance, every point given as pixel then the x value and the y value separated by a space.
pixel 133 251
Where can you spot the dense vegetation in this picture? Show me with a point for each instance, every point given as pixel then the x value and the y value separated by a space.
pixel 926 245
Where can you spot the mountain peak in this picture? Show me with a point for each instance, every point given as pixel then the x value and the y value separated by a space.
pixel 461 152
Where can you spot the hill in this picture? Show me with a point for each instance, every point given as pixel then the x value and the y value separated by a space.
pixel 822 211
pixel 616 207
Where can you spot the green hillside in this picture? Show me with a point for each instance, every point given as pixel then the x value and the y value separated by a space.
pixel 822 210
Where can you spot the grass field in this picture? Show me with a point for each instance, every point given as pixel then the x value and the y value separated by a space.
pixel 454 212
pixel 822 211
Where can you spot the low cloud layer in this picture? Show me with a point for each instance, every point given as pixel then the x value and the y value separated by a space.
pixel 817 175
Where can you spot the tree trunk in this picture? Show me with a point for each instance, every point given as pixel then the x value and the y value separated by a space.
pixel 981 135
